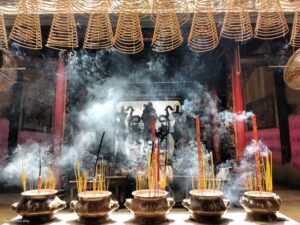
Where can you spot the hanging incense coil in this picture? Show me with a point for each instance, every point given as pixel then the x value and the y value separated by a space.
pixel 26 30
pixel 99 32
pixel 237 22
pixel 290 5
pixel 203 35
pixel 9 7
pixel 271 22
pixel 7 70
pixel 63 32
pixel 292 71
pixel 128 37
pixel 127 6
pixel 180 7
pixel 167 34
pixel 3 34
pixel 91 6
pixel 295 36
pixel 48 6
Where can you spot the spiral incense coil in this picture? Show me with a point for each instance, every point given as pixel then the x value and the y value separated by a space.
pixel 271 22
pixel 127 6
pixel 48 6
pixel 9 7
pixel 91 6
pixel 203 35
pixel 171 6
pixel 290 5
pixel 295 36
pixel 99 32
pixel 63 32
pixel 182 10
pixel 292 71
pixel 128 37
pixel 167 34
pixel 7 70
pixel 26 30
pixel 237 23
pixel 3 34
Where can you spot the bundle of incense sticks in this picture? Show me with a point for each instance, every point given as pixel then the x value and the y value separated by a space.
pixel 257 153
pixel 201 180
pixel 48 184
pixel 206 168
pixel 261 179
pixel 153 161
pixel 98 182
pixel 23 176
pixel 40 181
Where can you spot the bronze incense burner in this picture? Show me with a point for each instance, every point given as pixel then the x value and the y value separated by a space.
pixel 208 204
pixel 94 205
pixel 260 203
pixel 39 205
pixel 150 204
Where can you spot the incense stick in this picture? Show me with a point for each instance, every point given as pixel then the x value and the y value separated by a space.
pixel 98 153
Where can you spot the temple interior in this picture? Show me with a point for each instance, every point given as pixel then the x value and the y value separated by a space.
pixel 149 111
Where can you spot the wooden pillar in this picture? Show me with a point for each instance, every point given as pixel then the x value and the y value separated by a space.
pixel 59 107
pixel 238 105
pixel 283 114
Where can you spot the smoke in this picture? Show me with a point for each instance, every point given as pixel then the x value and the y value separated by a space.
pixel 99 81
pixel 26 158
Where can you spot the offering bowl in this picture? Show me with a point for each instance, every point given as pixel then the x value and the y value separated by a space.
pixel 40 205
pixel 208 204
pixel 94 205
pixel 150 204
pixel 260 203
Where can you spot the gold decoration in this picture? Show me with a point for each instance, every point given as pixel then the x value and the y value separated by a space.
pixel 3 34
pixel 203 35
pixel 295 36
pixel 63 32
pixel 271 22
pixel 26 31
pixel 7 70
pixel 128 37
pixel 237 22
pixel 292 71
pixel 167 34
pixel 99 32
